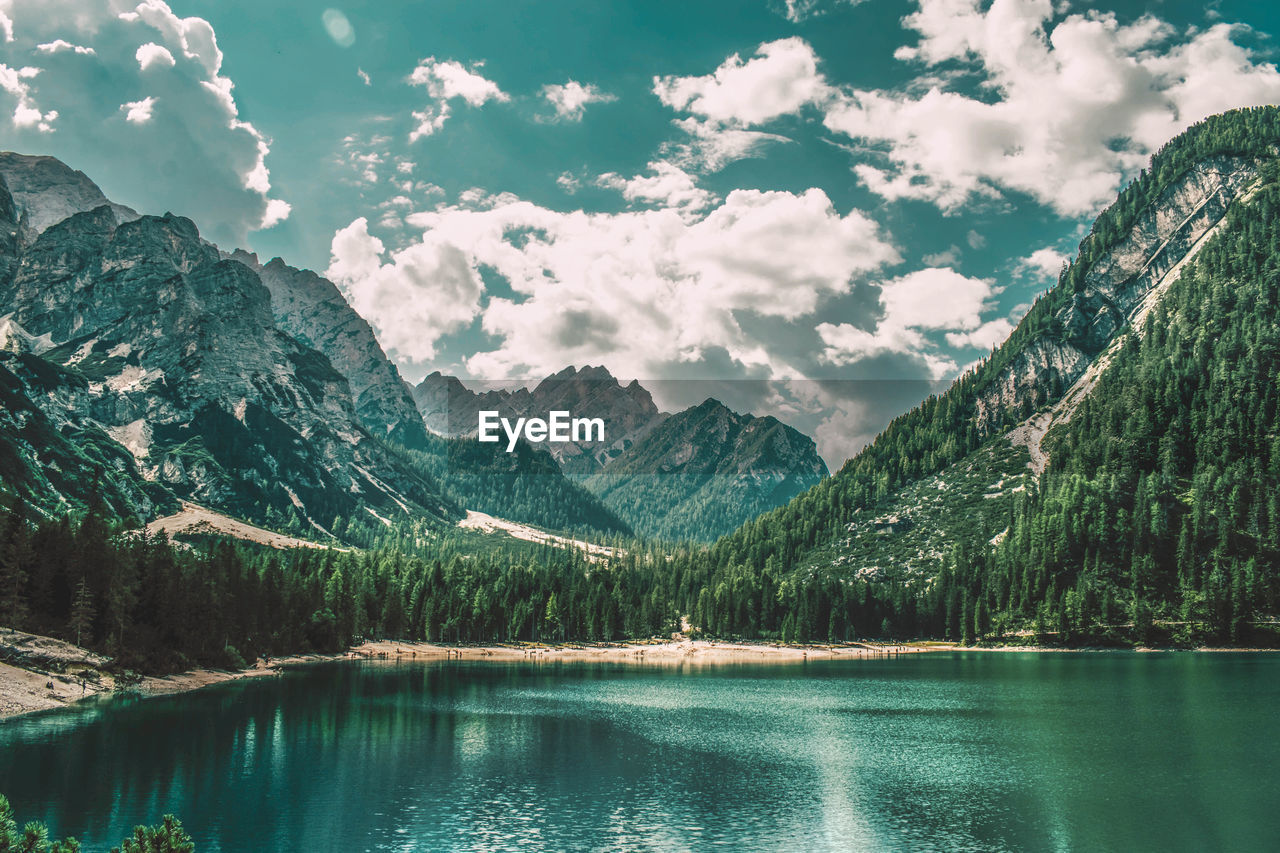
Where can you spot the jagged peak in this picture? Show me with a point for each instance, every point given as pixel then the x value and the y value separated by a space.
pixel 46 191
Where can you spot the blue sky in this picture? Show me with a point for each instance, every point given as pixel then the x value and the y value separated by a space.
pixel 865 194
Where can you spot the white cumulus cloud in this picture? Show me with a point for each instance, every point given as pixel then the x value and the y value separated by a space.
pixel 26 113
pixel 634 290
pixel 58 45
pixel 152 55
pixel 1068 103
pixel 929 299
pixel 139 112
pixel 570 100
pixel 87 78
pixel 781 79
pixel 668 186
pixel 445 81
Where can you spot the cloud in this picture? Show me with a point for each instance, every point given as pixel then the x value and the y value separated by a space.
pixel 930 299
pixel 138 112
pixel 781 79
pixel 569 182
pixel 26 113
pixel 417 295
pixel 797 11
pixel 948 257
pixel 446 81
pixel 195 156
pixel 1043 264
pixel 152 55
pixel 1064 109
pixel 61 45
pixel 988 336
pixel 638 290
pixel 364 77
pixel 570 100
pixel 669 186
pixel 849 427
pixel 369 161
pixel 709 146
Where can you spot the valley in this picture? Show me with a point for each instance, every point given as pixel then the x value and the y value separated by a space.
pixel 1064 492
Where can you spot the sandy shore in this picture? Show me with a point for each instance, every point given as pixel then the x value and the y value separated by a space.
pixel 50 673
pixel 59 673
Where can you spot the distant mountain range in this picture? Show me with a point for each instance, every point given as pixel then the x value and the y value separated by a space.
pixel 140 365
pixel 694 475
pixel 450 409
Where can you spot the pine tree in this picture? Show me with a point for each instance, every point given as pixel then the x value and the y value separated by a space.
pixel 14 552
pixel 82 612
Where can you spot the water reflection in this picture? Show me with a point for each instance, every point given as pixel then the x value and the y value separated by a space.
pixel 947 751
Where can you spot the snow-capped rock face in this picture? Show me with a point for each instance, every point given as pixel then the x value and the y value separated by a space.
pixel 45 191
pixel 311 309
pixel 1115 286
pixel 150 337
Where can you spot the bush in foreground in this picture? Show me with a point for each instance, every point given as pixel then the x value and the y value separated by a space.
pixel 167 837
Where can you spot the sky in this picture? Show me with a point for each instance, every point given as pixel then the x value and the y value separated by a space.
pixel 818 209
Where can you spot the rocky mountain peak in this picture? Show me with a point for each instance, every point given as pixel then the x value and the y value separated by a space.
pixel 450 408
pixel 143 340
pixel 312 309
pixel 46 191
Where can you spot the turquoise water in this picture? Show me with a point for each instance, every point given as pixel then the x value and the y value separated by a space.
pixel 963 751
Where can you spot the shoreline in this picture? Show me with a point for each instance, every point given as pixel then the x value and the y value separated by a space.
pixel 28 689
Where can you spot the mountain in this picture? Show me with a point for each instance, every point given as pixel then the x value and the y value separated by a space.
pixel 451 409
pixel 628 411
pixel 1109 474
pixel 525 486
pixel 136 329
pixel 691 476
pixel 44 191
pixel 703 472
pixel 312 310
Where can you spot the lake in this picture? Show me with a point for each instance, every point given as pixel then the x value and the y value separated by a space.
pixel 942 751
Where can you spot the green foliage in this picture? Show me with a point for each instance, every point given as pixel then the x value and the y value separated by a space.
pixel 167 837
pixel 32 838
pixel 1158 520
pixel 946 428
pixel 162 608
pixel 698 475
pixel 525 486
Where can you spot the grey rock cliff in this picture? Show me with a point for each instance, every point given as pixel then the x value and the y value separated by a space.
pixel 311 309
pixel 151 337
pixel 1115 287
pixel 628 411
pixel 45 191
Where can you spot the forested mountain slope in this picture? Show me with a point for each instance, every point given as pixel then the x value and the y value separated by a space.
pixel 706 470
pixel 526 486
pixel 1157 505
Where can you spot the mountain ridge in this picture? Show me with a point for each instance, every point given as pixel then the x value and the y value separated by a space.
pixel 174 352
